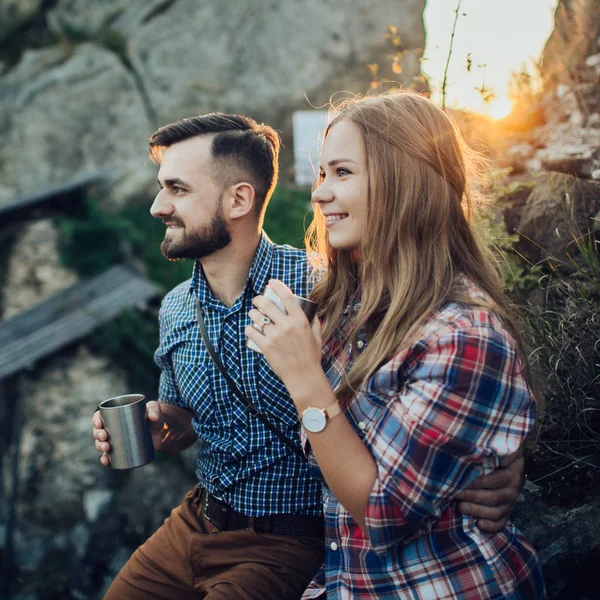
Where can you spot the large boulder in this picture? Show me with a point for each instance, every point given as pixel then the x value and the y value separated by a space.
pixel 14 14
pixel 123 68
pixel 575 37
pixel 567 540
pixel 558 208
pixel 34 271
pixel 65 113
pixel 77 522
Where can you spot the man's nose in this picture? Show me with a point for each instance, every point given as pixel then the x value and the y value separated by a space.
pixel 161 207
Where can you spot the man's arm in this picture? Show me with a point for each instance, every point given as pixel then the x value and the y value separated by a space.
pixel 491 498
pixel 170 425
pixel 176 432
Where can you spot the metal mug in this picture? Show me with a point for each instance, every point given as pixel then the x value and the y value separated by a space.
pixel 308 307
pixel 128 430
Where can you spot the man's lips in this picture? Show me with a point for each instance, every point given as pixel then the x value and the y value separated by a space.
pixel 173 224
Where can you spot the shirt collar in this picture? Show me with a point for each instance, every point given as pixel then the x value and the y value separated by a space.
pixel 260 272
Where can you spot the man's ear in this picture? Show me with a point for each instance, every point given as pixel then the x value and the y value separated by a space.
pixel 240 199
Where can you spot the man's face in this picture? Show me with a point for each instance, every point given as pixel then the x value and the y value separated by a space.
pixel 189 201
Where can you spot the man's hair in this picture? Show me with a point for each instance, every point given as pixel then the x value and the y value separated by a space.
pixel 243 149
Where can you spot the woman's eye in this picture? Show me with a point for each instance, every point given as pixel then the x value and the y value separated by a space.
pixel 321 175
pixel 341 171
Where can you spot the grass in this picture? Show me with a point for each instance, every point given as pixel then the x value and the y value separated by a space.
pixel 565 456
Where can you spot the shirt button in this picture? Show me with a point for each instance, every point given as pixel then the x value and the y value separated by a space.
pixel 333 546
pixel 360 344
pixel 362 425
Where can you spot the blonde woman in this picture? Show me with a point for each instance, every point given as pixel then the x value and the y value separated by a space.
pixel 420 385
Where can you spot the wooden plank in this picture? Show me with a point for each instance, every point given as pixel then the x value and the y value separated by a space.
pixel 70 315
pixel 21 206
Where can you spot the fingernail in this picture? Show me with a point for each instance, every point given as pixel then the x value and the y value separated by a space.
pixel 153 414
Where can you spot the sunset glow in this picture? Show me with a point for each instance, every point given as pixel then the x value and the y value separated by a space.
pixel 492 39
pixel 499 107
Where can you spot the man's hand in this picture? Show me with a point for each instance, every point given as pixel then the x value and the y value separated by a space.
pixel 155 417
pixel 491 498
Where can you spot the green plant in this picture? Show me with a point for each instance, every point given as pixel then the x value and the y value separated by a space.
pixel 91 239
pixel 288 215
pixel 130 341
pixel 566 336
pixel 519 274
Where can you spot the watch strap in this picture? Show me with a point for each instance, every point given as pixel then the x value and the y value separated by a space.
pixel 333 410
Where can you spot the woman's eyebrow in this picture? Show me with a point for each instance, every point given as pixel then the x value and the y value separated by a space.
pixel 337 161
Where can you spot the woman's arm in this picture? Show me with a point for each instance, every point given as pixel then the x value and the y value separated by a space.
pixel 428 441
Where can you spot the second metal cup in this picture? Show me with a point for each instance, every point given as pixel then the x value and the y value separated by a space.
pixel 308 307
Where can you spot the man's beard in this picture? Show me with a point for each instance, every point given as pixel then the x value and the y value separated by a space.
pixel 200 242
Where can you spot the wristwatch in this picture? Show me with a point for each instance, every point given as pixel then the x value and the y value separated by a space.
pixel 314 419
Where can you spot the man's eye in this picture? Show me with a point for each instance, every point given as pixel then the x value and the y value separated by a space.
pixel 177 189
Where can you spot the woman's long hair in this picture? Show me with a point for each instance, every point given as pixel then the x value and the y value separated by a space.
pixel 419 232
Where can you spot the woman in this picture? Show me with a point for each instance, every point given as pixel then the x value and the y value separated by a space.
pixel 421 355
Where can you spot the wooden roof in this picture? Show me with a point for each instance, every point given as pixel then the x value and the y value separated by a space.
pixel 22 207
pixel 69 316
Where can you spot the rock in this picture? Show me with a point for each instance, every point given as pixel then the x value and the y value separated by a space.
pixel 593 61
pixel 88 19
pixel 34 270
pixel 576 29
pixel 567 541
pixel 593 121
pixel 96 502
pixel 31 547
pixel 123 68
pixel 557 207
pixel 58 463
pixel 80 538
pixel 575 159
pixel 147 495
pixel 65 115
pixel 15 13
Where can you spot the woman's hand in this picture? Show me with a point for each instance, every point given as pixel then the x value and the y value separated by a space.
pixel 289 343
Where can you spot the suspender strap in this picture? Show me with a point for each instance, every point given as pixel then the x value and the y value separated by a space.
pixel 236 391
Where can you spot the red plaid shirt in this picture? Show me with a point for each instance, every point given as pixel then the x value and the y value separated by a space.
pixel 440 413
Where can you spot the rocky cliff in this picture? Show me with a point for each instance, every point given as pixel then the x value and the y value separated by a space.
pixel 82 86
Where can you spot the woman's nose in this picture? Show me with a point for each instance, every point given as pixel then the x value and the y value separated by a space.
pixel 322 194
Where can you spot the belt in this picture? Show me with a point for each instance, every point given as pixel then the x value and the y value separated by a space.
pixel 225 518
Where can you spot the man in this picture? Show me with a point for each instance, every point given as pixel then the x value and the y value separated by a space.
pixel 252 528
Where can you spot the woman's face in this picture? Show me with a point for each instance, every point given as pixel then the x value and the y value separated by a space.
pixel 342 195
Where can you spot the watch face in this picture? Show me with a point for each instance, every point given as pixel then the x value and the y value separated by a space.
pixel 314 420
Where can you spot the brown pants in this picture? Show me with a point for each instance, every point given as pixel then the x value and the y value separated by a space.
pixel 188 557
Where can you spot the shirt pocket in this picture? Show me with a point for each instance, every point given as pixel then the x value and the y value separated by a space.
pixel 190 368
pixel 275 401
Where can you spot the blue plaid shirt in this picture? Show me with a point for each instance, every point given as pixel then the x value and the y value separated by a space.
pixel 239 459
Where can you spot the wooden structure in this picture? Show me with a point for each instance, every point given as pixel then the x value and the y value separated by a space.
pixel 70 316
pixel 52 200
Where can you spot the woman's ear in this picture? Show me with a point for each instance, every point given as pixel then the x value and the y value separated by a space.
pixel 240 200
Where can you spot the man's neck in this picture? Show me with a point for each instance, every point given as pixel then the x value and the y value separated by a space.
pixel 227 270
